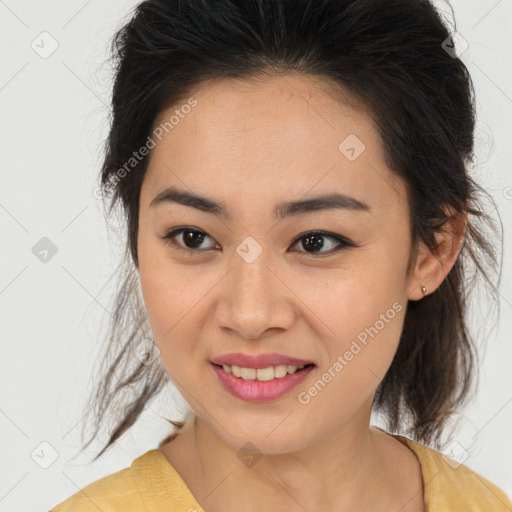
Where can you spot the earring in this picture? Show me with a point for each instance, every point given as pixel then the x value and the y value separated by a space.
pixel 424 290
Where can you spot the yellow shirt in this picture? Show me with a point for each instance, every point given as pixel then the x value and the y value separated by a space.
pixel 152 484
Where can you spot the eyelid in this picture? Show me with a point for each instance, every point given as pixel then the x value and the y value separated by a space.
pixel 168 238
pixel 343 242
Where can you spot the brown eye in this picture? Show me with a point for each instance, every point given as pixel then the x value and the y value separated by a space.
pixel 314 241
pixel 191 239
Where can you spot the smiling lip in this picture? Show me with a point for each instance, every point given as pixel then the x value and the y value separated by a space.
pixel 259 361
pixel 260 391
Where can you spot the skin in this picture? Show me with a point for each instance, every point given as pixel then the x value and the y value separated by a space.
pixel 252 145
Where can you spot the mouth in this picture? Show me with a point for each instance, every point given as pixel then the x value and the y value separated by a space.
pixel 261 384
pixel 263 374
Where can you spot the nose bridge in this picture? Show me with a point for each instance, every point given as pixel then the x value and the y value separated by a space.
pixel 252 274
pixel 251 303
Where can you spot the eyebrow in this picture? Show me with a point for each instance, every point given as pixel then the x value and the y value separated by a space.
pixel 287 209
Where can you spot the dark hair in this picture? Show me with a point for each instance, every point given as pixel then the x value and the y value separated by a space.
pixel 389 55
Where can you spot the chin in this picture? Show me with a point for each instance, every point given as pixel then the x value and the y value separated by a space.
pixel 262 440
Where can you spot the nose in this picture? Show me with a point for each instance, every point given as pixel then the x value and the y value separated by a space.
pixel 255 300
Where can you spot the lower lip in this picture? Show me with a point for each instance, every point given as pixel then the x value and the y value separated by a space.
pixel 259 391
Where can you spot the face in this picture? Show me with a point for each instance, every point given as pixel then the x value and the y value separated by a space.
pixel 240 279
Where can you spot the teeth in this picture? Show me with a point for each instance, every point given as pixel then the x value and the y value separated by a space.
pixel 261 374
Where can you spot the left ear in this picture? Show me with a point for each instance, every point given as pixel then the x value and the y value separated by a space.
pixel 433 265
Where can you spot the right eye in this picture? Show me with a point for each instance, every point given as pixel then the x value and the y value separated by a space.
pixel 191 241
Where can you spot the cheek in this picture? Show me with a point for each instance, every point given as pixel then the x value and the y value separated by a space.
pixel 359 355
pixel 166 303
pixel 168 299
pixel 354 297
pixel 365 332
pixel 173 297
pixel 167 290
pixel 360 313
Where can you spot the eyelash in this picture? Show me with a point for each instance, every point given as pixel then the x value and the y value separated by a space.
pixel 344 243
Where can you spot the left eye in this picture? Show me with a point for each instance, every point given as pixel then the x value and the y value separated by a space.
pixel 313 240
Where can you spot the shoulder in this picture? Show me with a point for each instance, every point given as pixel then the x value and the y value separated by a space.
pixel 107 494
pixel 114 492
pixel 450 485
pixel 150 483
pixel 118 491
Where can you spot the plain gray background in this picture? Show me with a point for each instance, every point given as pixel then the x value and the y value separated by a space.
pixel 54 95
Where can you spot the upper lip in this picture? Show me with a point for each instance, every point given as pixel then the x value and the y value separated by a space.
pixel 258 361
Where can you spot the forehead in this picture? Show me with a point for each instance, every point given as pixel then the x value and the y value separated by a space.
pixel 276 136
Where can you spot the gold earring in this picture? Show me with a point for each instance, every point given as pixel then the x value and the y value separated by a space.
pixel 424 290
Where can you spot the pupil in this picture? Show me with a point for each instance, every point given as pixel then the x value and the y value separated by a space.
pixel 314 241
pixel 194 237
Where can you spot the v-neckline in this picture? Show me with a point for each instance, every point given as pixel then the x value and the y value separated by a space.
pixel 159 478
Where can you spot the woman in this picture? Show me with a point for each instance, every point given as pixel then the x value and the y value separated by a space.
pixel 294 179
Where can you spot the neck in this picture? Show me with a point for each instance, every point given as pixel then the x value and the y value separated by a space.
pixel 349 470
